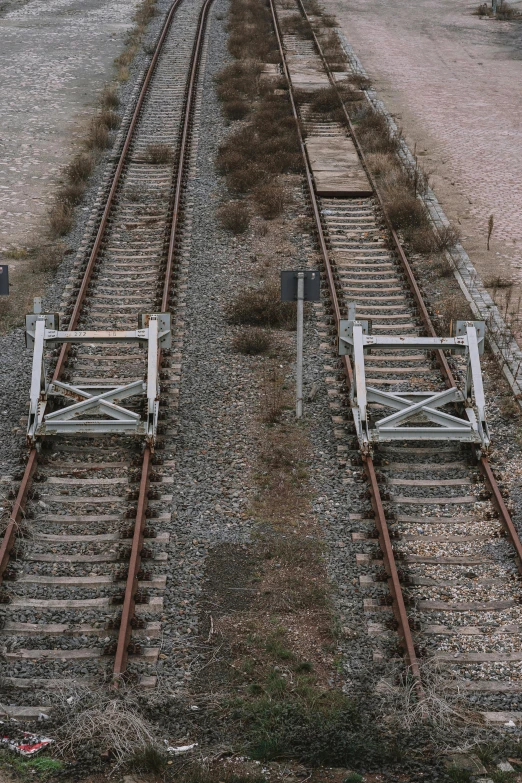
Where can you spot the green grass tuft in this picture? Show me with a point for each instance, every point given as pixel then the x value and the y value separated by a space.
pixel 39 768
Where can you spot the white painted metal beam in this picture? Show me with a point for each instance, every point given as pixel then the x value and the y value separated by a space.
pixel 102 401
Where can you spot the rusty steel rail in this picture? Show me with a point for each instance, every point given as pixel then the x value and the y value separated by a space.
pixel 184 146
pixel 30 469
pixel 128 611
pixel 17 512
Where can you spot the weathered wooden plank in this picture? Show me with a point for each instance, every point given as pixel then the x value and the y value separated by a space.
pixel 336 167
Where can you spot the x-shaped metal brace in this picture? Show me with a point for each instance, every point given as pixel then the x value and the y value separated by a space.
pixel 355 340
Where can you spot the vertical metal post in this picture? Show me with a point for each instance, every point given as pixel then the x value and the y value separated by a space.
pixel 494 7
pixel 152 374
pixel 299 365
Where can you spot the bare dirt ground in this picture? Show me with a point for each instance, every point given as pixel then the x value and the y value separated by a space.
pixel 454 83
pixel 54 57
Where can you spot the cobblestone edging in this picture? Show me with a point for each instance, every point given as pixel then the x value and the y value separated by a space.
pixel 501 339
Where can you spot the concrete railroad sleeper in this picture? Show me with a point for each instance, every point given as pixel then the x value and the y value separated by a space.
pixel 93 542
pixel 435 523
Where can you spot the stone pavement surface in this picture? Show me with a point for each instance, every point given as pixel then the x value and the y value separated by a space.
pixel 55 55
pixel 454 84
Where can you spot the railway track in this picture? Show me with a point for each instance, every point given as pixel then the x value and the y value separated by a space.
pixel 441 540
pixel 83 560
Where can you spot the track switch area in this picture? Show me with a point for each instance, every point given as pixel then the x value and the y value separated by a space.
pixel 417 414
pixel 93 410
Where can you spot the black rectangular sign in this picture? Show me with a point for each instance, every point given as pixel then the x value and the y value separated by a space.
pixel 312 285
pixel 4 280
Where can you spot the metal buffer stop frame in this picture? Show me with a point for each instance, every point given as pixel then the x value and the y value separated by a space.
pixel 356 340
pixel 96 410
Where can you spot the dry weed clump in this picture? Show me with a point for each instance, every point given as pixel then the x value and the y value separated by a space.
pixel 272 393
pixel 262 307
pixel 109 98
pixel 453 308
pixel 325 100
pixel 145 13
pixel 297 25
pixel 78 171
pixel 497 281
pixel 126 57
pixel 80 168
pixel 425 239
pixel 333 51
pixel 271 199
pixel 48 257
pixel 400 189
pixel 360 81
pixel 229 160
pixel 243 179
pixel 252 342
pixel 71 193
pixel 98 721
pixel 238 78
pixel 327 20
pixel 149 760
pixel 374 133
pixel 251 36
pixel 236 87
pixel 404 209
pixel 266 147
pixel 234 217
pixel 505 12
pixel 110 119
pixel 98 136
pixel 313 8
pixel 440 706
pixel 159 153
pixel 443 266
pixel 382 164
pixel 61 218
pixel 235 109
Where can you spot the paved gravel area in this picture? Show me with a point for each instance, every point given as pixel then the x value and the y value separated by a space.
pixel 454 83
pixel 54 58
pixel 213 445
